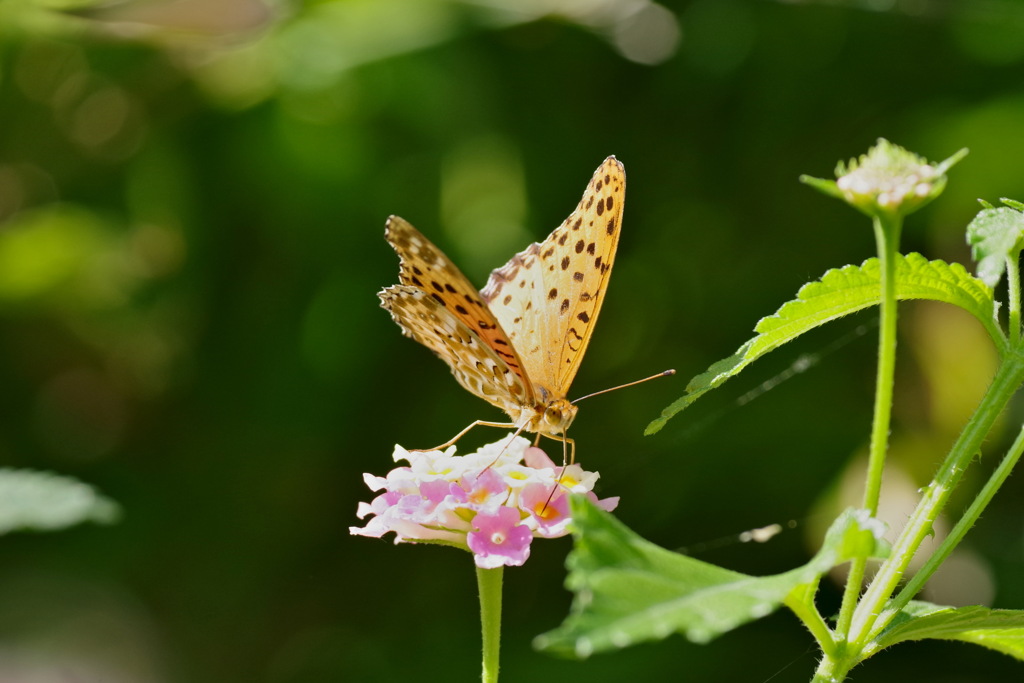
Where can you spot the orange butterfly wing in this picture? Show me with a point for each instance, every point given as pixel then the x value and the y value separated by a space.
pixel 437 306
pixel 519 342
pixel 549 296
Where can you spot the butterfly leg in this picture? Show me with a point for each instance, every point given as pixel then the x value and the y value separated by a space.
pixel 567 443
pixel 451 441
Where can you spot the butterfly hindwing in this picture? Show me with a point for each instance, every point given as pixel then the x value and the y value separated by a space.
pixel 425 267
pixel 476 366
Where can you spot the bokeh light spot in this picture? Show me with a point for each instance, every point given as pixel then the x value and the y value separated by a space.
pixel 650 36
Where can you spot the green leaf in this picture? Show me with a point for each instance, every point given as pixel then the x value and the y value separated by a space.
pixel 998 629
pixel 42 501
pixel 994 236
pixel 839 292
pixel 629 590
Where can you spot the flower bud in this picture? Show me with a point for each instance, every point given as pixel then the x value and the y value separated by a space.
pixel 888 180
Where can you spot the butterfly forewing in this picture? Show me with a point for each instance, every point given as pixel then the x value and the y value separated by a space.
pixel 548 296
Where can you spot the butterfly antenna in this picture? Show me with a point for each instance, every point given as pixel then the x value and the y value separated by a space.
pixel 665 373
pixel 565 458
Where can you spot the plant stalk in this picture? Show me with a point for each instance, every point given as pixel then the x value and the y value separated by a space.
pixel 1013 283
pixel 488 583
pixel 868 617
pixel 832 668
pixel 801 602
pixel 970 516
pixel 887 238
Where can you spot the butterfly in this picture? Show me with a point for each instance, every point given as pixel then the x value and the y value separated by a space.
pixel 519 341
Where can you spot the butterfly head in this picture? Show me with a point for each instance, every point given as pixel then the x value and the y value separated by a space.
pixel 557 416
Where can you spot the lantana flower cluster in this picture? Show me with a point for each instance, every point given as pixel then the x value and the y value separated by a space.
pixel 889 177
pixel 492 502
pixel 887 180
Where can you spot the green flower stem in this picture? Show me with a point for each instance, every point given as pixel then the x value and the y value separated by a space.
pixel 887 240
pixel 488 582
pixel 957 534
pixel 801 602
pixel 867 617
pixel 1013 281
pixel 832 668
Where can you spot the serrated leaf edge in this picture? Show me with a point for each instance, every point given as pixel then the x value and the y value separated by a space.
pixel 915 276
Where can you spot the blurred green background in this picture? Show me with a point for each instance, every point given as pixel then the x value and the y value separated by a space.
pixel 192 201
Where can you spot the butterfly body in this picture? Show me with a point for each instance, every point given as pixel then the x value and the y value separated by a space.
pixel 519 341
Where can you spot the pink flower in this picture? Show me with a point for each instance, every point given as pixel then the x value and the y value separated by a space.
pixel 481 491
pixel 499 539
pixel 492 502
pixel 536 458
pixel 548 509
